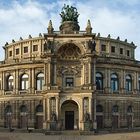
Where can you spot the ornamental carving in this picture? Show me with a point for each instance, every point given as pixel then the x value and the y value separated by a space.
pixel 71 70
pixel 69 52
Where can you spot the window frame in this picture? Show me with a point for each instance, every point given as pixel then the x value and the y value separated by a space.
pixel 100 81
pixel 17 51
pixel 128 83
pixel 34 48
pixel 113 49
pixel 25 49
pixel 103 48
pixel 39 81
pixel 70 83
pixel 24 82
pixel 114 82
pixel 10 83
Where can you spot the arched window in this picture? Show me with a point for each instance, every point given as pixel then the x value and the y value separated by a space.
pixel 129 109
pixel 40 81
pixel 10 82
pixel 114 82
pixel 24 82
pixel 99 81
pixel 23 109
pixel 8 110
pixel 39 108
pixel 128 83
pixel 115 109
pixel 99 108
pixel 139 84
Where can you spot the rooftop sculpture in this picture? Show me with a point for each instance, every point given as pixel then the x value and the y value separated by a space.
pixel 69 13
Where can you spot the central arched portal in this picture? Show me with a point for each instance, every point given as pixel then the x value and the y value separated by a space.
pixel 70 115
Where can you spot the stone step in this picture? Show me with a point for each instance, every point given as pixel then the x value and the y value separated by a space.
pixel 68 132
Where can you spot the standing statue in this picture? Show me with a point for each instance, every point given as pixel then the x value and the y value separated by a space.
pixel 92 45
pixel 69 13
pixel 53 117
pixel 86 117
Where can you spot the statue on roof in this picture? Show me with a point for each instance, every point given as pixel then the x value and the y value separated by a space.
pixel 69 13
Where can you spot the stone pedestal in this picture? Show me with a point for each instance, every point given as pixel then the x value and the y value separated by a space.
pixel 88 126
pixel 69 27
pixel 53 125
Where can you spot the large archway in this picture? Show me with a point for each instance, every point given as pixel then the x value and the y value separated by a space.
pixel 70 115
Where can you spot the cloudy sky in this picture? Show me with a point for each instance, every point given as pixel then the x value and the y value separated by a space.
pixel 115 17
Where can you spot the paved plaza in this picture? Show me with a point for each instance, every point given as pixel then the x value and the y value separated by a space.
pixel 40 136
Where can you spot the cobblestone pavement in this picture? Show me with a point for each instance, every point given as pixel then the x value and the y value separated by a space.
pixel 40 136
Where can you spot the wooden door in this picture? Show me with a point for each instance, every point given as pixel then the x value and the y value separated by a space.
pixel 99 122
pixel 23 121
pixel 39 122
pixel 69 120
pixel 115 122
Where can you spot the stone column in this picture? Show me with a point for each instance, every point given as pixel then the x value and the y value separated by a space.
pixel 49 73
pixel 124 82
pixel 94 74
pixel 109 81
pixel 137 86
pixel 121 81
pixel 81 115
pixel 48 109
pixel 57 107
pixel 3 83
pixel 54 72
pixel 105 81
pixel 83 74
pixel 134 83
pixel 30 81
pixel 44 114
pixel 90 107
pixel 14 87
pixel 48 113
pixel 95 122
pixel 89 73
pixel 45 75
pixel 33 81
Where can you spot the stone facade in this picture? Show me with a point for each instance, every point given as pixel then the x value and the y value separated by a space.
pixel 70 81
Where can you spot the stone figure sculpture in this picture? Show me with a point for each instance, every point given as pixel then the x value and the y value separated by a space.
pixel 69 13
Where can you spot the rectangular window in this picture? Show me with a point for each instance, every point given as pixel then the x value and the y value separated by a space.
pixel 103 47
pixel 10 53
pixel 25 49
pixel 69 82
pixel 113 49
pixel 121 50
pixel 35 48
pixel 17 51
pixel 128 53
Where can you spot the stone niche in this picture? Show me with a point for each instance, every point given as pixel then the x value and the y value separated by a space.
pixel 69 27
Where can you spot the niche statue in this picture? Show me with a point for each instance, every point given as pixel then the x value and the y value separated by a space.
pixel 53 117
pixel 86 117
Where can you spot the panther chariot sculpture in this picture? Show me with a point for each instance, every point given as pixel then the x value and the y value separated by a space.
pixel 69 19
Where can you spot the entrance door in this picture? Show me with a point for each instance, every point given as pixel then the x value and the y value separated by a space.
pixel 69 120
pixel 39 122
pixel 23 121
pixel 99 122
pixel 115 121
pixel 129 121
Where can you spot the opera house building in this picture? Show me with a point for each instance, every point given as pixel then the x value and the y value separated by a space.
pixel 70 80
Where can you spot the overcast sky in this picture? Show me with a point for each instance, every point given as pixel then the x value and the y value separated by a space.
pixel 115 17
